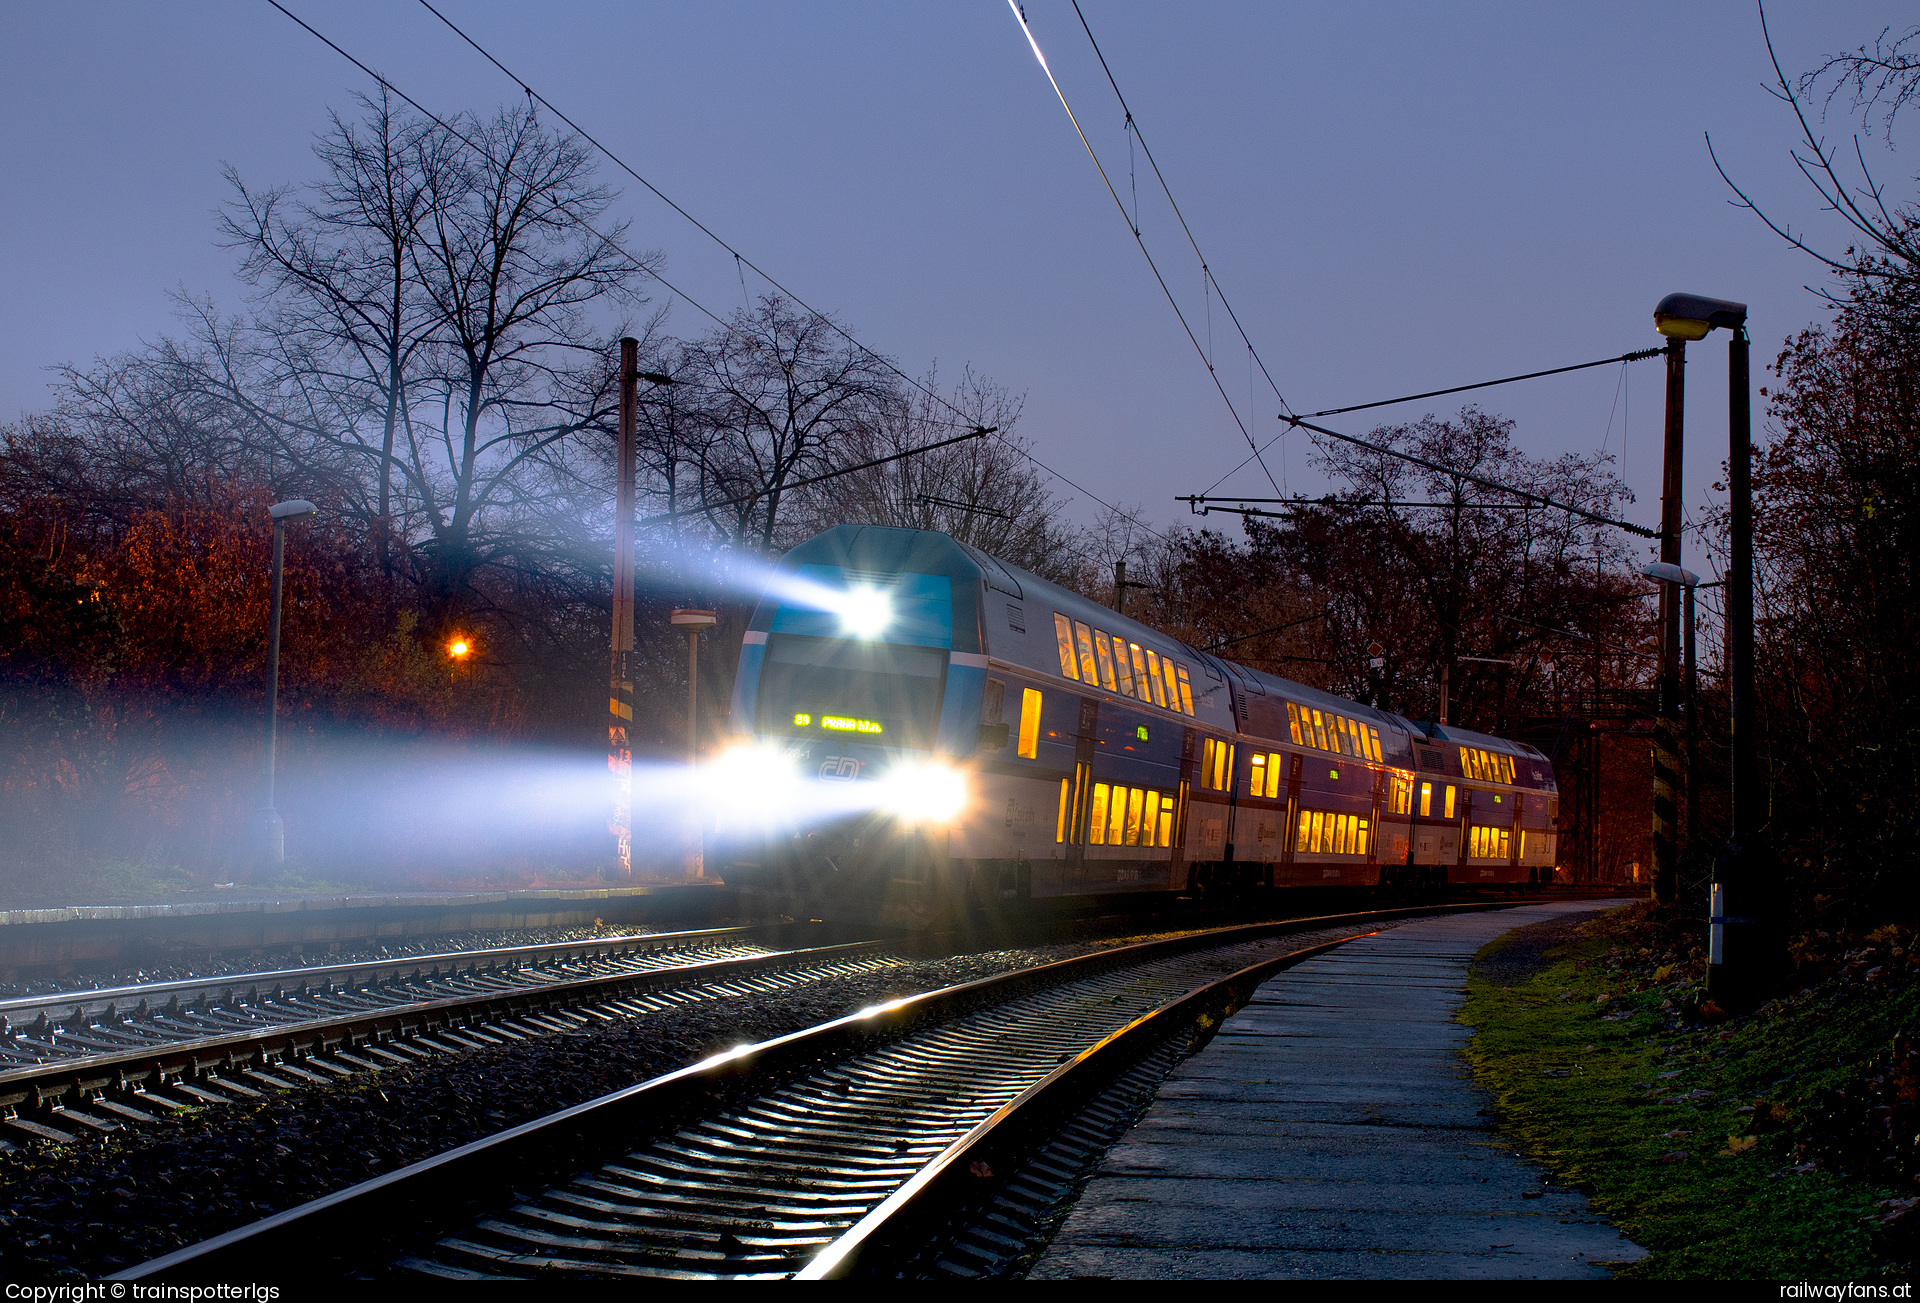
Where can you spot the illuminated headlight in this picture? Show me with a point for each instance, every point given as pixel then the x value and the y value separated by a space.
pixel 753 781
pixel 865 612
pixel 924 794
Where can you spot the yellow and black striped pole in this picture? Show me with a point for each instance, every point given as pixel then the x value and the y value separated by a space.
pixel 1666 769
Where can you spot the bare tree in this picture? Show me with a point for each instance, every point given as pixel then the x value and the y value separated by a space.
pixel 781 393
pixel 346 319
pixel 985 492
pixel 1885 240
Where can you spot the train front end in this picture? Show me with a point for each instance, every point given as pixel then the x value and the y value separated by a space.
pixel 855 709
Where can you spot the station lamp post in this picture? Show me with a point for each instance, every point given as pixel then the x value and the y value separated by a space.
pixel 693 621
pixel 270 832
pixel 1744 937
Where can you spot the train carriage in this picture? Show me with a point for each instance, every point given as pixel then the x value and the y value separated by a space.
pixel 917 725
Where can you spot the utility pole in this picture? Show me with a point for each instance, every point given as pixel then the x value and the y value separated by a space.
pixel 1120 586
pixel 1666 869
pixel 620 698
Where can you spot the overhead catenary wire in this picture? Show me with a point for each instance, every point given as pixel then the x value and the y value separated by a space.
pixel 1181 217
pixel 742 260
pixel 1638 356
pixel 609 242
pixel 1132 227
pixel 666 516
pixel 1457 473
pixel 1246 637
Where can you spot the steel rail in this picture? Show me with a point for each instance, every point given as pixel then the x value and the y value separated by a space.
pixel 130 1077
pixel 95 1000
pixel 458 1184
pixel 899 1227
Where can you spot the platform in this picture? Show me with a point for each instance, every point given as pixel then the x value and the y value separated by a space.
pixel 1331 1130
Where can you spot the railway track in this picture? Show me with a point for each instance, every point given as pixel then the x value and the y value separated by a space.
pixel 187 1044
pixel 916 1136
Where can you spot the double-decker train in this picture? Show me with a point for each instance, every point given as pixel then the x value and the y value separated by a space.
pixel 919 727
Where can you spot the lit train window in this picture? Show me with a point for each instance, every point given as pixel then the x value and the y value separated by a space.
pixel 1378 755
pixel 1173 684
pixel 1083 639
pixel 1154 685
pixel 1122 669
pixel 1449 813
pixel 1186 689
pixel 1060 828
pixel 1426 800
pixel 1029 723
pixel 1320 731
pixel 1293 723
pixel 1402 794
pixel 1323 832
pixel 1140 688
pixel 1103 652
pixel 1216 764
pixel 1127 816
pixel 1488 843
pixel 1063 630
pixel 1265 780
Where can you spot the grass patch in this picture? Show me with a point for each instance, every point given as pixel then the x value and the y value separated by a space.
pixel 1699 1139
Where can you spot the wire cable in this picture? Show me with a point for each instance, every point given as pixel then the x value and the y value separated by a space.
pixel 1457 473
pixel 1137 239
pixel 741 259
pixel 609 242
pixel 1640 356
pixel 1458 389
pixel 1174 204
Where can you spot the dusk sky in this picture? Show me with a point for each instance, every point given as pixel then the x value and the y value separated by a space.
pixel 1395 196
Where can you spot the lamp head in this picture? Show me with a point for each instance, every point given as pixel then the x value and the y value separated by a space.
pixel 1691 316
pixel 1669 573
pixel 692 618
pixel 291 508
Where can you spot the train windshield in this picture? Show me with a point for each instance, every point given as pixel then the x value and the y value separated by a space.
pixel 851 688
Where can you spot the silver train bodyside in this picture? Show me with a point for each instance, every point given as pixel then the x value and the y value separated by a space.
pixel 1092 755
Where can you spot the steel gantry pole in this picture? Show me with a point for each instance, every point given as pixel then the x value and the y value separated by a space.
pixel 1746 944
pixel 620 696
pixel 1666 819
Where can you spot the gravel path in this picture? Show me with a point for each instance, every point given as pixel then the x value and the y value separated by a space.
pixel 90 1208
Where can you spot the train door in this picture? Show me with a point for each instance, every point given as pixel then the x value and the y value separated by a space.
pixel 1189 743
pixel 1373 843
pixel 1083 748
